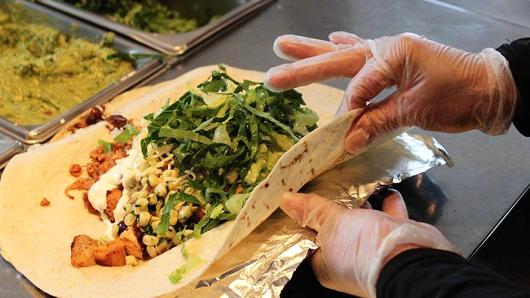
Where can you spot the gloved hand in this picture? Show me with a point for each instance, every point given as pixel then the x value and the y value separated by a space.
pixel 438 87
pixel 355 244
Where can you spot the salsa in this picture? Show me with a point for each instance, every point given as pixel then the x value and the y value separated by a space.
pixel 45 72
pixel 147 15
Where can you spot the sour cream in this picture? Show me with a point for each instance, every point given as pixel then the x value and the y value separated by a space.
pixel 124 168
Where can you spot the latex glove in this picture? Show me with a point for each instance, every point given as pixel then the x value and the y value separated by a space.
pixel 357 243
pixel 438 87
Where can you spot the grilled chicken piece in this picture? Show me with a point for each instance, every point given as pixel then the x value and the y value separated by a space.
pixel 131 242
pixel 113 196
pixel 82 251
pixel 111 254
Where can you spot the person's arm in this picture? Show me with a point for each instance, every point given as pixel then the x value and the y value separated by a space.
pixel 355 243
pixel 436 273
pixel 518 55
pixel 372 253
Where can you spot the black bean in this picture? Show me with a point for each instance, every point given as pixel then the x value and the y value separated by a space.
pixel 95 115
pixel 117 121
pixel 121 227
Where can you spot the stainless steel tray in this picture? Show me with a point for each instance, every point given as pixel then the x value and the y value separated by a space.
pixel 233 11
pixel 8 148
pixel 145 68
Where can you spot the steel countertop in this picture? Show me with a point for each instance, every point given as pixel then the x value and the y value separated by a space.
pixel 489 172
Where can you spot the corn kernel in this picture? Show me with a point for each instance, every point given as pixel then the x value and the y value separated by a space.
pixel 187 232
pixel 131 260
pixel 159 207
pixel 138 194
pixel 178 206
pixel 154 224
pixel 262 148
pixel 151 250
pixel 170 173
pixel 144 218
pixel 115 231
pixel 174 185
pixel 142 202
pixel 152 199
pixel 170 234
pixel 173 217
pixel 184 213
pixel 162 247
pixel 129 219
pixel 150 240
pixel 128 207
pixel 160 190
pixel 137 210
pixel 154 180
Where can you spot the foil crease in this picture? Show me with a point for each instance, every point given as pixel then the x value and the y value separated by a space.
pixel 263 263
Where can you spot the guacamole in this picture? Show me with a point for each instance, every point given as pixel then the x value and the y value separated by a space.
pixel 45 72
pixel 147 15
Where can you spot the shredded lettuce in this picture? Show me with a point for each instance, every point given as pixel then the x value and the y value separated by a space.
pixel 192 262
pixel 253 173
pixel 216 211
pixel 302 119
pixel 129 132
pixel 235 203
pixel 217 130
pixel 180 134
pixel 221 135
pixel 163 226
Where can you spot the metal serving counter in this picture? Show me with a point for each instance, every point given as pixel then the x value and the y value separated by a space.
pixel 229 13
pixel 489 172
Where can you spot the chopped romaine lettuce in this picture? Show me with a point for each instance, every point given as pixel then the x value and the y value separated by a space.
pixel 230 134
pixel 129 132
pixel 107 146
pixel 163 226
pixel 235 203
pixel 216 211
pixel 192 262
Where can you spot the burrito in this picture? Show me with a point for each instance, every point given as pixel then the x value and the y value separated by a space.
pixel 143 203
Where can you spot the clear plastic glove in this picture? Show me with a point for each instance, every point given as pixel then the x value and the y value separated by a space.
pixel 355 244
pixel 438 87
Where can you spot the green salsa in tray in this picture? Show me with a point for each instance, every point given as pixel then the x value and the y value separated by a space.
pixel 147 15
pixel 175 28
pixel 54 68
pixel 46 72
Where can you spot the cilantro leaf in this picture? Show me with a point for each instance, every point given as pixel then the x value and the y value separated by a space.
pixel 107 146
pixel 129 132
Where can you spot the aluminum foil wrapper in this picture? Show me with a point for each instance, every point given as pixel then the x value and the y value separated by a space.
pixel 263 263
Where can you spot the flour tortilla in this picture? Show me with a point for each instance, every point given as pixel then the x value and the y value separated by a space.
pixel 36 240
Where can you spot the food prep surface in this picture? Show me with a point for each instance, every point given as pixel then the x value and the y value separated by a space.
pixel 8 148
pixel 489 172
